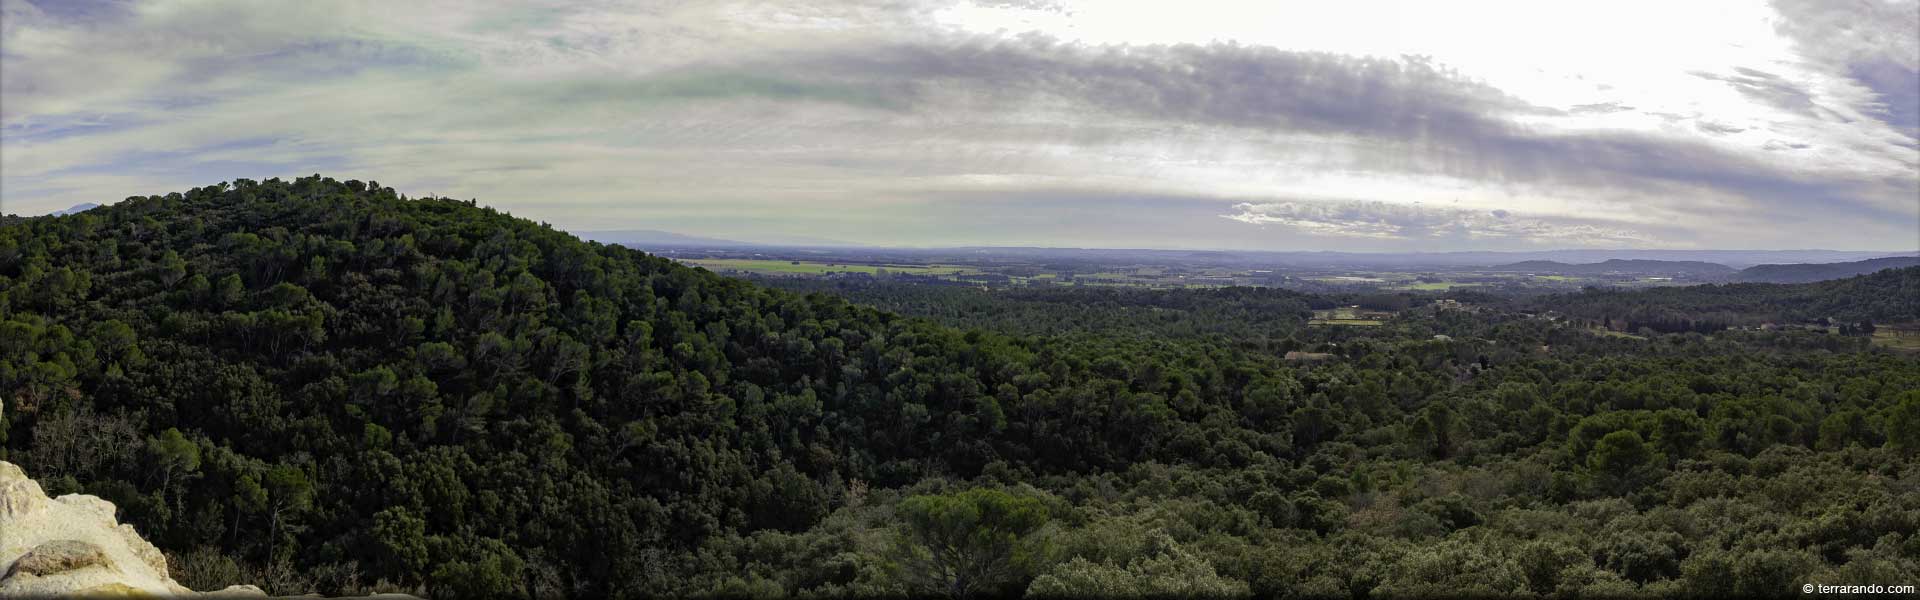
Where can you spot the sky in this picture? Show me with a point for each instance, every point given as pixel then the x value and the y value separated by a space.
pixel 1361 125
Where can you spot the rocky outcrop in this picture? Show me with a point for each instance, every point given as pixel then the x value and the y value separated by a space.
pixel 72 545
pixel 53 558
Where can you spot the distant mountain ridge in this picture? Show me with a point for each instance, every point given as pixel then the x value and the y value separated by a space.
pixel 1625 266
pixel 1807 273
pixel 75 209
pixel 1885 296
pixel 1731 259
pixel 1696 262
pixel 1734 259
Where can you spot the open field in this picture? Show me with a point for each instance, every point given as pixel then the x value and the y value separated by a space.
pixel 1347 279
pixel 1348 316
pixel 1434 286
pixel 1046 268
pixel 1602 331
pixel 1128 283
pixel 1898 338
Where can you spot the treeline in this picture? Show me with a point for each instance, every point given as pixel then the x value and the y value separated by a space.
pixel 341 389
pixel 1891 295
pixel 1237 313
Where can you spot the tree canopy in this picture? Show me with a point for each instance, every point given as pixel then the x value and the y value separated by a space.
pixel 325 386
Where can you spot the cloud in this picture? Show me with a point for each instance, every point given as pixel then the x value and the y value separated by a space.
pixel 1897 91
pixel 1769 88
pixel 1600 107
pixel 1218 84
pixel 796 118
pixel 1039 5
pixel 1853 31
pixel 1717 128
pixel 1874 44
pixel 1411 115
pixel 1374 219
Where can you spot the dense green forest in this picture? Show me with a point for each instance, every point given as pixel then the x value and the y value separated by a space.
pixel 324 386
pixel 1803 273
pixel 1242 313
pixel 1888 295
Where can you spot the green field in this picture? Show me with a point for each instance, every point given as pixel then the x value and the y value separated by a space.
pixel 1358 322
pixel 1136 283
pixel 1898 339
pixel 1433 286
pixel 802 267
pixel 1118 279
pixel 1602 331
pixel 1344 316
pixel 1346 279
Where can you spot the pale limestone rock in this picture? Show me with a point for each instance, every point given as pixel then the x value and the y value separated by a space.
pixel 19 496
pixel 57 557
pixel 73 546
pixel 143 549
pixel 100 509
pixel 238 591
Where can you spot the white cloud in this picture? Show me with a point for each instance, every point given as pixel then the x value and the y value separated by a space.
pixel 743 118
pixel 1372 219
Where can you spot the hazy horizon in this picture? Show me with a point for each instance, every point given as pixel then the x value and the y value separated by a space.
pixel 782 240
pixel 1366 127
pixel 599 233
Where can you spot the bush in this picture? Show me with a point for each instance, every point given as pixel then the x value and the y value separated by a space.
pixel 206 569
pixel 1168 570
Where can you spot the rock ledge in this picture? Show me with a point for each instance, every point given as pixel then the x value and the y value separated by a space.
pixel 72 545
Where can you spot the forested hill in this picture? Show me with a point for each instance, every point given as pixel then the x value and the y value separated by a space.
pixel 322 386
pixel 449 385
pixel 1891 295
pixel 1803 273
pixel 1658 267
pixel 1238 313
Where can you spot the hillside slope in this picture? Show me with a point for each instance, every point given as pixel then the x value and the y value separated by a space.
pixel 323 386
pixel 1621 266
pixel 1807 273
pixel 1891 295
pixel 647 238
pixel 351 362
